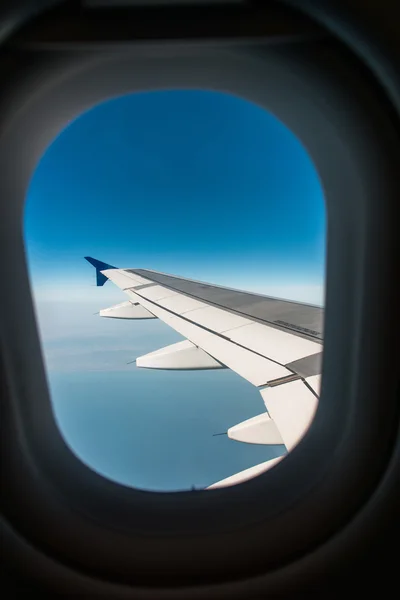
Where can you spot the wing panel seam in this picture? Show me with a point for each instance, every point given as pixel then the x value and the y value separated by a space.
pixel 278 326
pixel 216 334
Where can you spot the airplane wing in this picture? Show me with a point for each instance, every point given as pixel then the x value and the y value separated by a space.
pixel 274 344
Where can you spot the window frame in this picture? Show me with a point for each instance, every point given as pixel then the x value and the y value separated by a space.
pixel 267 519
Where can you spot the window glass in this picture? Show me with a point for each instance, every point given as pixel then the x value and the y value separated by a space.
pixel 194 183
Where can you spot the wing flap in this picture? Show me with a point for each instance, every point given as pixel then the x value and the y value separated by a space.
pixel 216 319
pixel 181 304
pixel 155 292
pixel 273 343
pixel 292 406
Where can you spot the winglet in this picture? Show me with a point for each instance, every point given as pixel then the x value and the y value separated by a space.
pixel 99 266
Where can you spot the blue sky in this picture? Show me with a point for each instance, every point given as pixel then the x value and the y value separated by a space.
pixel 194 183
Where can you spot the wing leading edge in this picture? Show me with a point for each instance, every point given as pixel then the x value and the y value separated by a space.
pixel 274 344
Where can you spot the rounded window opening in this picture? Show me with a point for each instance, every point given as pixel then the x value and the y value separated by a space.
pixel 185 351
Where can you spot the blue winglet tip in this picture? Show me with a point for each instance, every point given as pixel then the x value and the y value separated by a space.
pixel 99 266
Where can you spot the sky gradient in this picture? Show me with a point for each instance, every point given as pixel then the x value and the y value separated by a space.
pixel 193 183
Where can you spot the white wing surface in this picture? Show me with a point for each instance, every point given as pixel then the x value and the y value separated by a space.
pixel 274 344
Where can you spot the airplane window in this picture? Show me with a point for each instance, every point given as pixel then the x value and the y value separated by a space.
pixel 178 187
